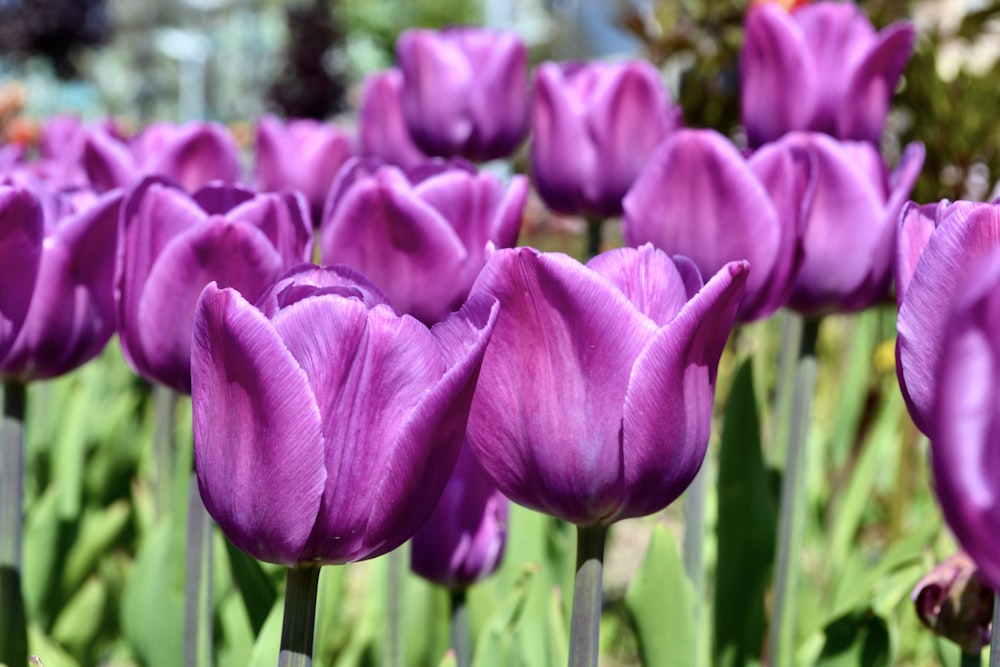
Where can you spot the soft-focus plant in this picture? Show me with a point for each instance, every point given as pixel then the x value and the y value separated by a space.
pixel 422 238
pixel 22 229
pixel 300 154
pixel 382 130
pixel 193 154
pixel 173 244
pixel 594 125
pixel 464 91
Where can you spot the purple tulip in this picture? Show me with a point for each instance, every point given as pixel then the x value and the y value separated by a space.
pixel 21 233
pixel 849 222
pixel 699 197
pixel 965 436
pixel 938 244
pixel 72 315
pixel 463 540
pixel 821 67
pixel 593 127
pixel 422 241
pixel 464 91
pixel 193 154
pixel 325 425
pixel 595 400
pixel 382 128
pixel 303 155
pixel 174 244
pixel 953 601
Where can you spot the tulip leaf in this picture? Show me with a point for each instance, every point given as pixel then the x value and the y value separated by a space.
pixel 99 530
pixel 660 601
pixel 79 622
pixel 43 536
pixel 558 641
pixel 257 591
pixel 857 639
pixel 153 600
pixel 234 639
pixel 499 641
pixel 48 649
pixel 746 530
pixel 268 645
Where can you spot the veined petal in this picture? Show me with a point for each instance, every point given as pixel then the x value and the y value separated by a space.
pixel 21 231
pixel 544 422
pixel 258 448
pixel 916 224
pixel 648 278
pixel 285 219
pixel 668 406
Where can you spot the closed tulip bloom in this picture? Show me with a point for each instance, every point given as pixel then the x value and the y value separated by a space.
pixel 938 243
pixel 422 241
pixel 822 67
pixel 699 197
pixel 965 439
pixel 21 233
pixel 382 130
pixel 193 154
pixel 464 91
pixel 326 425
pixel 595 399
pixel 173 245
pixel 463 540
pixel 593 127
pixel 849 224
pixel 72 313
pixel 300 154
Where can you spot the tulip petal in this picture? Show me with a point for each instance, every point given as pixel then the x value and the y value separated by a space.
pixel 383 132
pixel 232 254
pixel 873 83
pixel 778 82
pixel 698 197
pixel 258 445
pixel 916 224
pixel 648 278
pixel 21 231
pixel 544 423
pixel 285 219
pixel 668 405
pixel 107 161
pixel 499 110
pixel 966 234
pixel 197 154
pixel 964 454
pixel 220 198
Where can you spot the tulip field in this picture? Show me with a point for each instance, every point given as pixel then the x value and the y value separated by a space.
pixel 522 361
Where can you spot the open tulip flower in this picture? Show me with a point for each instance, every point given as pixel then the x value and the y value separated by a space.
pixel 72 313
pixel 21 233
pixel 593 127
pixel 193 154
pixel 326 425
pixel 964 439
pixel 938 244
pixel 595 400
pixel 464 91
pixel 301 154
pixel 382 130
pixel 821 67
pixel 697 196
pixel 422 241
pixel 173 244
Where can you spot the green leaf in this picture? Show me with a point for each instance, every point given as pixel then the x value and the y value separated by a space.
pixel 79 622
pixel 256 590
pixel 857 639
pixel 660 601
pixel 268 644
pixel 498 644
pixel 44 535
pixel 98 532
pixel 746 530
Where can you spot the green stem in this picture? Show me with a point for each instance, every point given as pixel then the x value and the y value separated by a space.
pixel 971 660
pixel 595 227
pixel 164 448
pixel 792 511
pixel 299 624
pixel 585 627
pixel 694 533
pixel 197 581
pixel 13 627
pixel 460 632
pixel 995 633
pixel 398 565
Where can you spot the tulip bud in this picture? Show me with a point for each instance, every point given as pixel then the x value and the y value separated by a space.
pixel 954 602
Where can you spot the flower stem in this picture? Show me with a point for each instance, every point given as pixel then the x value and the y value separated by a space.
pixel 585 627
pixel 397 564
pixel 793 503
pixel 694 535
pixel 995 633
pixel 460 633
pixel 197 581
pixel 164 448
pixel 595 235
pixel 13 628
pixel 299 624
